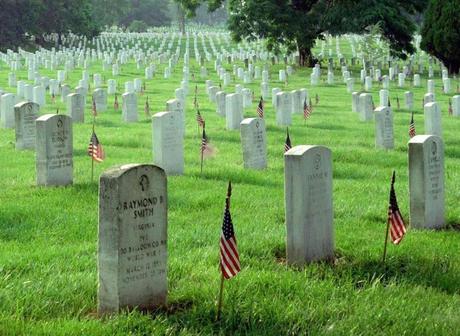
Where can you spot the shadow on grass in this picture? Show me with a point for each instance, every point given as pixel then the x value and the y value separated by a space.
pixel 436 273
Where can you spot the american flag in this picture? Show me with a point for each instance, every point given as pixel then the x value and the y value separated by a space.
pixel 450 107
pixel 204 141
pixel 195 102
pixel 147 107
pixel 412 126
pixel 196 90
pixel 397 228
pixel 373 104
pixel 94 110
pixel 53 97
pixel 306 110
pixel 260 108
pixel 317 99
pixel 115 103
pixel 397 102
pixel 199 119
pixel 95 149
pixel 389 102
pixel 287 144
pixel 229 257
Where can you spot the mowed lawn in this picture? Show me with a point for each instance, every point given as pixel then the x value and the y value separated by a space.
pixel 48 236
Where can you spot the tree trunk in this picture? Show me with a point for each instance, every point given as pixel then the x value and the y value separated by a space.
pixel 305 56
pixel 181 18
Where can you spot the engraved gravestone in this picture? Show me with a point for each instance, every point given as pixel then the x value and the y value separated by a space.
pixel 129 107
pixel 7 110
pixel 168 147
pixel 254 143
pixel 283 108
pixel 365 107
pixel 100 99
pixel 25 114
pixel 76 107
pixel 308 204
pixel 426 181
pixel 233 111
pixel 54 150
pixel 433 124
pixel 220 103
pixel 132 244
pixel 384 128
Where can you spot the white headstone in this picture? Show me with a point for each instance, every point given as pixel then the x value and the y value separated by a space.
pixel 132 252
pixel 384 128
pixel 54 150
pixel 308 204
pixel 426 182
pixel 433 124
pixel 129 107
pixel 168 147
pixel 76 107
pixel 233 111
pixel 283 109
pixel 25 114
pixel 254 143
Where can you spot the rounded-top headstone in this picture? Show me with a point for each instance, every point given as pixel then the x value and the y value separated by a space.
pixel 132 246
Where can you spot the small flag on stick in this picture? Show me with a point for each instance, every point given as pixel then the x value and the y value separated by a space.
pixel 147 107
pixel 412 126
pixel 229 257
pixel 115 103
pixel 306 110
pixel 397 102
pixel 395 222
pixel 450 107
pixel 317 99
pixel 95 149
pixel 53 98
pixel 199 119
pixel 260 108
pixel 94 110
pixel 287 143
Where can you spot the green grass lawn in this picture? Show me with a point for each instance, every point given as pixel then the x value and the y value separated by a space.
pixel 48 236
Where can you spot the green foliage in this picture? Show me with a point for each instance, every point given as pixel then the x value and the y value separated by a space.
pixel 138 26
pixel 441 32
pixel 373 48
pixel 151 12
pixel 37 17
pixel 297 23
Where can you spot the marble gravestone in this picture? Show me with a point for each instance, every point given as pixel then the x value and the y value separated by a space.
pixel 7 110
pixel 129 107
pixel 100 99
pixel 76 107
pixel 365 107
pixel 426 182
pixel 175 106
pixel 308 204
pixel 220 103
pixel 168 145
pixel 456 106
pixel 233 111
pixel 384 128
pixel 132 240
pixel 283 108
pixel 254 143
pixel 433 123
pixel 54 150
pixel 25 114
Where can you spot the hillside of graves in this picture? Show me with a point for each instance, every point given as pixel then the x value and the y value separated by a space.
pixel 52 199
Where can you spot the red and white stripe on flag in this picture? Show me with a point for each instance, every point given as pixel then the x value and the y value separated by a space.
pixel 229 259
pixel 397 228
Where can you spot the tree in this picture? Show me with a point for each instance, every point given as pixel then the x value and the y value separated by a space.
pixel 296 24
pixel 441 33
pixel 187 9
pixel 151 12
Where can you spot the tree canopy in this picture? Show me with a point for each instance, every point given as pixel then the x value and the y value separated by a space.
pixel 441 32
pixel 296 24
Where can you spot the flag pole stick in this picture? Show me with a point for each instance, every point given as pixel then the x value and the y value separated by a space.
pixel 201 161
pixel 387 228
pixel 92 159
pixel 219 303
pixel 386 242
